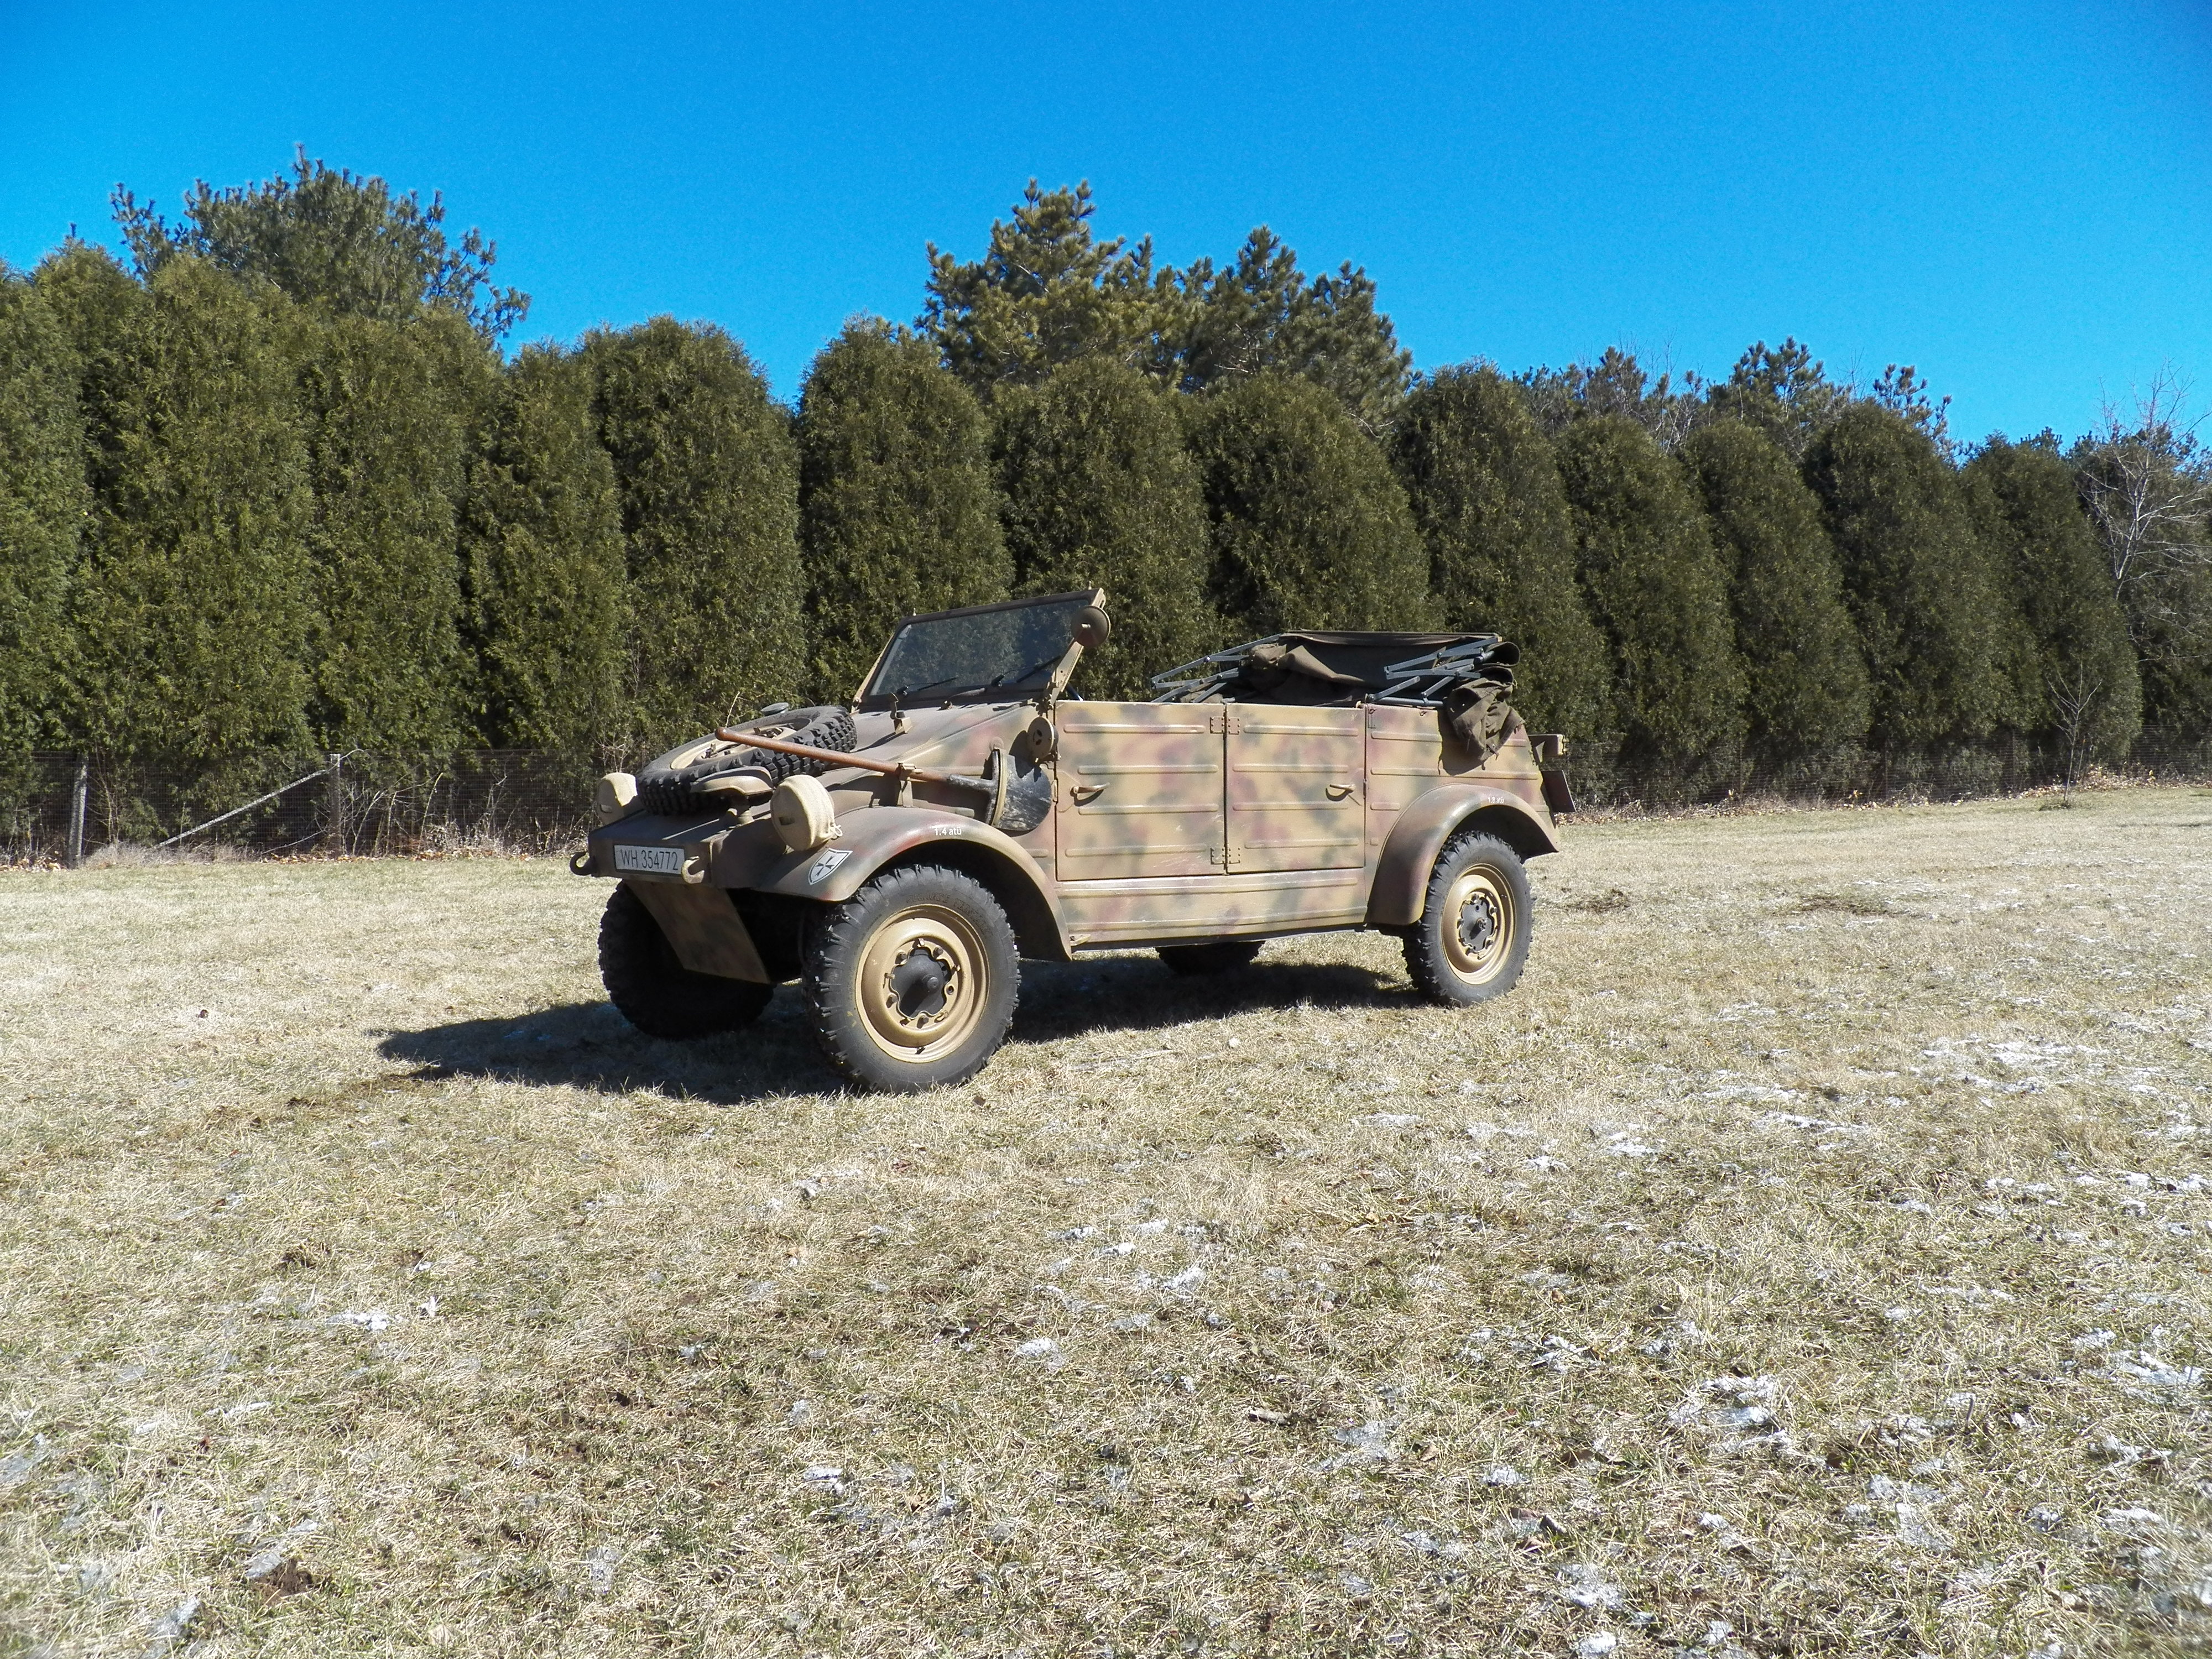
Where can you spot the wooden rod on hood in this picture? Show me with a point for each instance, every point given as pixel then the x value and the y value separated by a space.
pixel 837 757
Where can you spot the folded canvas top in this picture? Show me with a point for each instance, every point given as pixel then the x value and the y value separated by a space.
pixel 1344 668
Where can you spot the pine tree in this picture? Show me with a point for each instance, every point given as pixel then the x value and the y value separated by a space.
pixel 336 244
pixel 1805 681
pixel 1260 314
pixel 708 476
pixel 1485 490
pixel 43 503
pixel 1615 384
pixel 548 603
pixel 190 612
pixel 1099 492
pixel 1656 590
pixel 1311 530
pixel 1045 293
pixel 1930 622
pixel 898 510
pixel 389 409
pixel 2080 684
pixel 1783 392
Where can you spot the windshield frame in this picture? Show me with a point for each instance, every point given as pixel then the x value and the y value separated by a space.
pixel 873 698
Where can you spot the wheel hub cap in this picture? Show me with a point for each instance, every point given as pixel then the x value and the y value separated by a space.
pixel 1478 935
pixel 920 985
pixel 1478 925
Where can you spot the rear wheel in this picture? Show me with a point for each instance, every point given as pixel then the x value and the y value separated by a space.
pixel 1473 936
pixel 1221 956
pixel 912 979
pixel 655 992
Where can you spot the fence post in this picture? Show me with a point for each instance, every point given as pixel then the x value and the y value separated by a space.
pixel 334 805
pixel 76 851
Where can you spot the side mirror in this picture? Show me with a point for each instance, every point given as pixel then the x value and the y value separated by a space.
pixel 1092 628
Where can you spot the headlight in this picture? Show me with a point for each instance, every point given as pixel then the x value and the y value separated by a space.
pixel 803 815
pixel 616 795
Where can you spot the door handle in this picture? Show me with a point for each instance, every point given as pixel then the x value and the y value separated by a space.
pixel 1083 793
pixel 1338 791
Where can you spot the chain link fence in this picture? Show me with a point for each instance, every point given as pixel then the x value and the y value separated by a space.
pixel 59 808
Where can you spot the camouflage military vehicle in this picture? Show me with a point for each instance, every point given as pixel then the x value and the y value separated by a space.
pixel 899 857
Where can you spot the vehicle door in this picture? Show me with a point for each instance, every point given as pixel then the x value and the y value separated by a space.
pixel 1139 790
pixel 1295 777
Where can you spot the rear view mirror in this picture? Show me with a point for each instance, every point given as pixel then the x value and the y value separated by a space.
pixel 1092 628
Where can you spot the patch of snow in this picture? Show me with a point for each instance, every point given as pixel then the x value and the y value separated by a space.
pixel 600 1564
pixel 2147 1373
pixel 1586 1586
pixel 1731 1404
pixel 264 1562
pixel 1369 1442
pixel 171 1627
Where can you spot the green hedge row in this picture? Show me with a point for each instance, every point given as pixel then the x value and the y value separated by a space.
pixel 259 492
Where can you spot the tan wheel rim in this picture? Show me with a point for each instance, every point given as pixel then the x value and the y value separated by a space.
pixel 921 983
pixel 692 753
pixel 1478 924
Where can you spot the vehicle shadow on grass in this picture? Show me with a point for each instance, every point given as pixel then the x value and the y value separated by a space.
pixel 588 1045
pixel 1141 994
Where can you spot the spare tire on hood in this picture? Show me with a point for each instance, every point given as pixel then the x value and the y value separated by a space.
pixel 671 783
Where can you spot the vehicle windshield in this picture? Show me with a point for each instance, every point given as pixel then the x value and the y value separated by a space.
pixel 994 650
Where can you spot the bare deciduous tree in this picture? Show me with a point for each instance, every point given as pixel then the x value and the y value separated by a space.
pixel 2073 700
pixel 2146 486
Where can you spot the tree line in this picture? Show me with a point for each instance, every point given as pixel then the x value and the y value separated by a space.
pixel 273 487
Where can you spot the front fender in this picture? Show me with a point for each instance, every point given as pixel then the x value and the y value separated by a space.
pixel 873 837
pixel 1401 879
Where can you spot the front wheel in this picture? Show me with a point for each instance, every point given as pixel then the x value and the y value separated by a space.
pixel 912 979
pixel 1473 936
pixel 655 992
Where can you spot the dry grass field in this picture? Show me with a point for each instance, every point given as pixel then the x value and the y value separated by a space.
pixel 1808 1257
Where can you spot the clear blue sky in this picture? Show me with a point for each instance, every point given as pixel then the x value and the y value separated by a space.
pixel 2017 198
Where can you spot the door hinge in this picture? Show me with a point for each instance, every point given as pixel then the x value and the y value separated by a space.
pixel 1224 725
pixel 1227 857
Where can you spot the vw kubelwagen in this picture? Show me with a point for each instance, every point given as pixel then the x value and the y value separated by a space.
pixel 898 857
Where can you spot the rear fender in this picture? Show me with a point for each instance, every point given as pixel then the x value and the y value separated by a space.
pixel 1401 879
pixel 876 838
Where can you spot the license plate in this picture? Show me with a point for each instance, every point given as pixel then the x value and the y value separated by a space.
pixel 652 860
